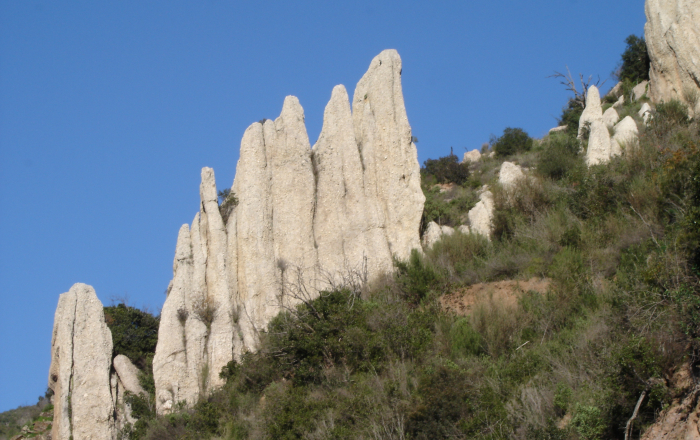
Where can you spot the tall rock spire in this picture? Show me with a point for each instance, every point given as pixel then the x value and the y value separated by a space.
pixel 389 157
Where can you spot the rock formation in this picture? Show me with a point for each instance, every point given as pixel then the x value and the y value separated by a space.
pixel 306 219
pixel 510 174
pixel 471 156
pixel 640 90
pixel 464 229
pixel 673 42
pixel 125 378
pixel 558 129
pixel 592 112
pixel 431 235
pixel 610 117
pixel 599 150
pixel 645 112
pixel 620 102
pixel 481 215
pixel 81 360
pixel 626 134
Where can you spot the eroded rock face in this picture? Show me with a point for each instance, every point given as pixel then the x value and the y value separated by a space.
pixel 81 360
pixel 304 219
pixel 640 90
pixel 673 41
pixel 390 159
pixel 593 111
pixel 124 379
pixel 645 112
pixel 599 151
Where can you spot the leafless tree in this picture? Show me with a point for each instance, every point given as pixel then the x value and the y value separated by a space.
pixel 570 84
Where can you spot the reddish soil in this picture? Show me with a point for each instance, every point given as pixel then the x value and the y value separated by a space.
pixel 461 302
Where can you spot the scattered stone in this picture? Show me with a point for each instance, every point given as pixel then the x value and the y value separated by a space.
pixel 610 117
pixel 626 134
pixel 598 144
pixel 471 156
pixel 672 35
pixel 592 112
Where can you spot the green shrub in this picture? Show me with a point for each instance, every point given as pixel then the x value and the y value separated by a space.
pixel 416 277
pixel 635 63
pixel 667 116
pixel 446 169
pixel 560 153
pixel 570 116
pixel 134 332
pixel 464 340
pixel 589 422
pixel 513 140
pixel 227 202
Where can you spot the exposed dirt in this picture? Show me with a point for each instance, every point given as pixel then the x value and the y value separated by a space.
pixel 461 302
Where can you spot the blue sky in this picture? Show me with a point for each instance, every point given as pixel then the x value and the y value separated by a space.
pixel 108 111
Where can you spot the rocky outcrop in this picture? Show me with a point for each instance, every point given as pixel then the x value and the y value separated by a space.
pixel 510 174
pixel 81 360
pixel 125 378
pixel 481 215
pixel 599 150
pixel 305 220
pixel 619 103
pixel 610 117
pixel 431 235
pixel 558 129
pixel 389 157
pixel 471 156
pixel 673 42
pixel 592 112
pixel 626 134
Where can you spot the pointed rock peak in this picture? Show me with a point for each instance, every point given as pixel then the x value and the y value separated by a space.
pixel 387 57
pixel 592 96
pixel 207 189
pixel 183 249
pixel 292 109
pixel 340 101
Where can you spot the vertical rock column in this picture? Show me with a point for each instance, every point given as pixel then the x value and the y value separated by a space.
pixel 81 360
pixel 344 233
pixel 389 157
pixel 673 41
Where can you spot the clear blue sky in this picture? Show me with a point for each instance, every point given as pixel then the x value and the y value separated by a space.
pixel 108 111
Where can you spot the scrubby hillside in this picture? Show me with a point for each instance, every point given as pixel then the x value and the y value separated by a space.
pixel 604 347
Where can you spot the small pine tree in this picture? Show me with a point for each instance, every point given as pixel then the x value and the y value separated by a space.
pixel 635 61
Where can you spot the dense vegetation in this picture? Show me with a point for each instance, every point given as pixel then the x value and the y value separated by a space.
pixel 621 246
pixel 635 63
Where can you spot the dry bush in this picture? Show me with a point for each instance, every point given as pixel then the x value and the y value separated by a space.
pixel 204 309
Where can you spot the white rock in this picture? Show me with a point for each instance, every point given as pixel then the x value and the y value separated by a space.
pixel 598 144
pixel 81 361
pixel 390 159
pixel 481 215
pixel 471 156
pixel 558 129
pixel 464 229
pixel 620 102
pixel 610 117
pixel 592 112
pixel 645 112
pixel 626 135
pixel 128 374
pixel 615 91
pixel 673 41
pixel 431 235
pixel 510 174
pixel 639 90
pixel 345 234
pixel 447 230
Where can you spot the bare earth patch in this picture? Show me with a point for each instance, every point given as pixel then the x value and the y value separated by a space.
pixel 462 301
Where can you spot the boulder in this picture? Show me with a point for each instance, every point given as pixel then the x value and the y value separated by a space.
pixel 639 90
pixel 124 379
pixel 510 174
pixel 471 156
pixel 389 157
pixel 81 362
pixel 128 374
pixel 615 91
pixel 558 129
pixel 464 229
pixel 673 41
pixel 598 151
pixel 431 235
pixel 620 102
pixel 626 134
pixel 447 230
pixel 592 112
pixel 481 215
pixel 610 117
pixel 645 112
